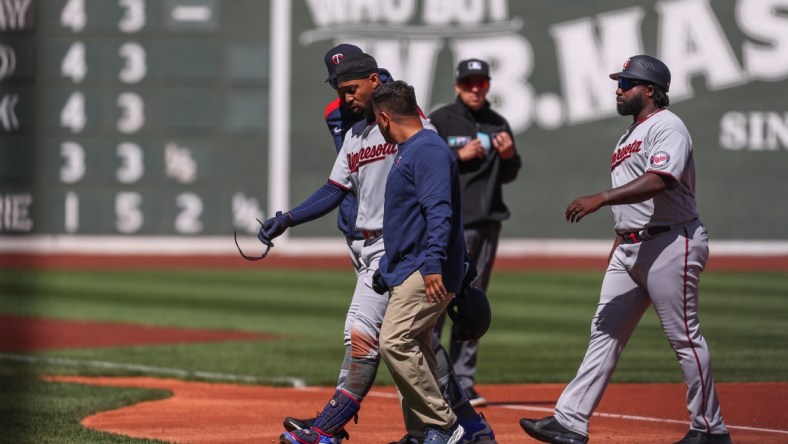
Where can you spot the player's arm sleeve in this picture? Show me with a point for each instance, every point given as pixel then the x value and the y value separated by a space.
pixel 333 116
pixel 433 181
pixel 669 155
pixel 320 203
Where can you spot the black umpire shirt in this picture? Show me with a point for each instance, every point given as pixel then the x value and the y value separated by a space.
pixel 480 179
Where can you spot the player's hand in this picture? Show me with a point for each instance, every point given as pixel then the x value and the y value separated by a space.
pixel 581 206
pixel 274 227
pixel 378 283
pixel 434 289
pixel 471 150
pixel 503 143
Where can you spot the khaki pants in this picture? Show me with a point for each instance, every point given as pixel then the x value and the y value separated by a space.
pixel 406 346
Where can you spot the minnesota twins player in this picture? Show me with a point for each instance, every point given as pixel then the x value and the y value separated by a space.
pixel 339 119
pixel 660 249
pixel 361 168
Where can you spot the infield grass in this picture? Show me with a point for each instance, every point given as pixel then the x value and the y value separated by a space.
pixel 540 330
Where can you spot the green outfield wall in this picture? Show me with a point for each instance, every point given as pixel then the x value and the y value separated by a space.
pixel 124 120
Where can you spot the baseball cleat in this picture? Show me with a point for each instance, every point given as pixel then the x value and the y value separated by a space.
pixel 308 436
pixel 474 398
pixel 550 430
pixel 408 439
pixel 439 436
pixel 477 432
pixel 291 423
pixel 698 437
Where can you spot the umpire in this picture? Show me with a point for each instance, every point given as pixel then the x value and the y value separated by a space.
pixel 484 145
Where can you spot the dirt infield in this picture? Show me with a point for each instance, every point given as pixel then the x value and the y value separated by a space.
pixel 629 413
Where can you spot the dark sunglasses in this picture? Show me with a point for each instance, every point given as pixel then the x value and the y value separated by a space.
pixel 626 84
pixel 470 84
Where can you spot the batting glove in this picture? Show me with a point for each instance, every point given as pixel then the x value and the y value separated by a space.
pixel 274 227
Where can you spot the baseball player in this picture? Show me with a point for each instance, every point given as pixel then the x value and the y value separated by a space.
pixel 660 249
pixel 339 119
pixel 361 168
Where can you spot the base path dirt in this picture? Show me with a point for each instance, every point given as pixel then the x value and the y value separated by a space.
pixel 199 412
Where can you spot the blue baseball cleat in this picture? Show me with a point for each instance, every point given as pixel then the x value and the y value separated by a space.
pixel 438 436
pixel 477 432
pixel 308 436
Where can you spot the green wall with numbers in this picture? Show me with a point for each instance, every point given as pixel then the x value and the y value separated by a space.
pixel 152 117
pixel 137 117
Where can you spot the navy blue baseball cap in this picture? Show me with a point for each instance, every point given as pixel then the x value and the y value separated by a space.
pixel 646 68
pixel 335 55
pixel 354 67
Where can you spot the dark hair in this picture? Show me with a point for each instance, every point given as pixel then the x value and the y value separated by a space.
pixel 660 97
pixel 397 98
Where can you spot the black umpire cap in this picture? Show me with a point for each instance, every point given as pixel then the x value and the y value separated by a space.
pixel 646 68
pixel 355 66
pixel 335 55
pixel 472 67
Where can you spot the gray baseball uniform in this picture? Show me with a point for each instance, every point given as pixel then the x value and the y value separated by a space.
pixel 663 251
pixel 362 166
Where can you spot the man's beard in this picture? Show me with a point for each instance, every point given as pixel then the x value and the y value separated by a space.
pixel 369 114
pixel 631 107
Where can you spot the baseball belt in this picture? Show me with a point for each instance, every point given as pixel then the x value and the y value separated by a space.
pixel 371 234
pixel 634 237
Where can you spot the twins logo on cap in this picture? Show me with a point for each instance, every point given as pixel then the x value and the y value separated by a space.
pixel 659 160
pixel 336 58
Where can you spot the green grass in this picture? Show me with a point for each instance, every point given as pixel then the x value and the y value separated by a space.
pixel 35 412
pixel 540 330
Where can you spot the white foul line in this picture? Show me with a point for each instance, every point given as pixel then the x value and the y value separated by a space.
pixel 294 382
pixel 639 418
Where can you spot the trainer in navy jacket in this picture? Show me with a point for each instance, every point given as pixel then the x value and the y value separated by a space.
pixel 434 245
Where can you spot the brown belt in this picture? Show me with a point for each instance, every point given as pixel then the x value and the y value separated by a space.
pixel 371 234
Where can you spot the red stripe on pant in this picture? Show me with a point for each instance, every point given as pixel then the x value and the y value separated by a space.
pixel 689 338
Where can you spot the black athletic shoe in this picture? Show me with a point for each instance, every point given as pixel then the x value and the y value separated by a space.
pixel 408 439
pixel 298 424
pixel 304 424
pixel 698 437
pixel 550 430
pixel 474 398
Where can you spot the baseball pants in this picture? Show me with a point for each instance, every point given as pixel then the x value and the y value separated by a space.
pixel 406 340
pixel 663 271
pixel 481 241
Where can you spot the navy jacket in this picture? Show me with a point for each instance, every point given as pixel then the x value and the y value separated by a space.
pixel 422 222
